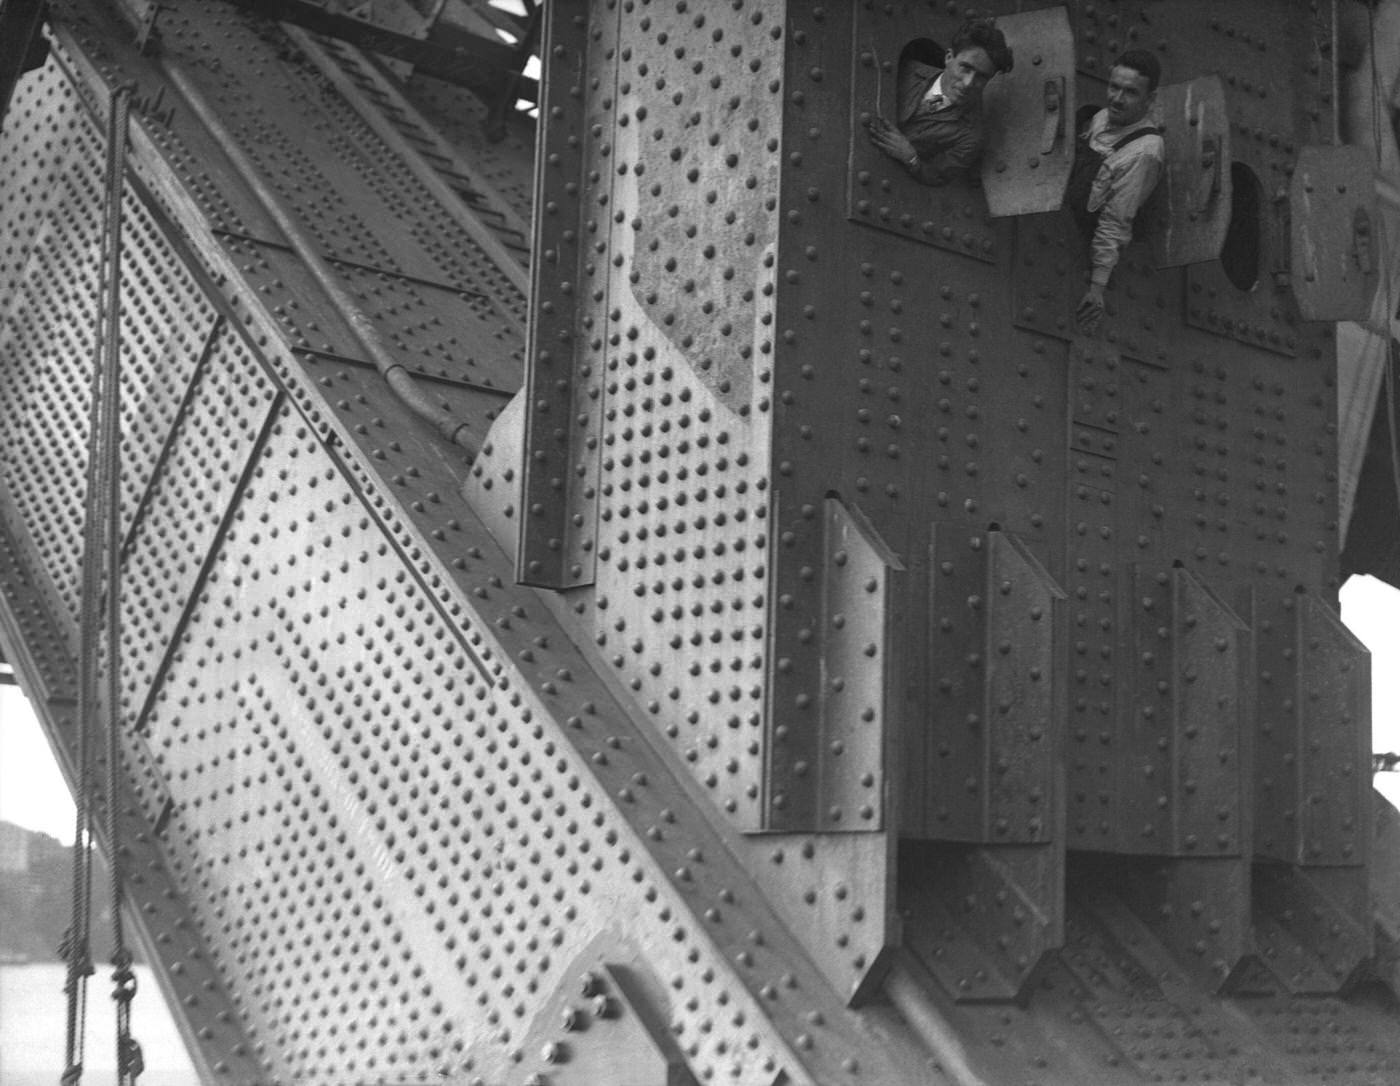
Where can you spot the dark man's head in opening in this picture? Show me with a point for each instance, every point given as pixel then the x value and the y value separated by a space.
pixel 979 51
pixel 1132 87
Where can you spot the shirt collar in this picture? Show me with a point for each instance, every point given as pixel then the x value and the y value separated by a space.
pixel 1151 120
pixel 937 89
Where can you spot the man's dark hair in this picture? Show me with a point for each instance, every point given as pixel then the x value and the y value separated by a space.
pixel 980 32
pixel 1144 63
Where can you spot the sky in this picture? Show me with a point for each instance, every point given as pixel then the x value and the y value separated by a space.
pixel 33 793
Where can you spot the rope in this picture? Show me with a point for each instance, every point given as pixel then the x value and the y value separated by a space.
pixel 129 1060
pixel 99 627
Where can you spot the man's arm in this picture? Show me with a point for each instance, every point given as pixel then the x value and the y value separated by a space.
pixel 934 170
pixel 956 162
pixel 1128 190
pixel 892 142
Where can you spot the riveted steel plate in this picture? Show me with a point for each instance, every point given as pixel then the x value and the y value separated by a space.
pixel 1317 929
pixel 983 921
pixel 456 116
pixel 35 644
pixel 1052 256
pixel 1147 807
pixel 1023 691
pixel 1200 910
pixel 1048 250
pixel 565 374
pixel 670 344
pixel 986 765
pixel 1335 233
pixel 857 706
pixel 660 434
pixel 1251 301
pixel 1158 1031
pixel 1281 95
pixel 1096 400
pixel 850 914
pixel 347 751
pixel 495 218
pixel 165 320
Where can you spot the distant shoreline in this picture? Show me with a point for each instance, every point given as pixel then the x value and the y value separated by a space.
pixel 36 898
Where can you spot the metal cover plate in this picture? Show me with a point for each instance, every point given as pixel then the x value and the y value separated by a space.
pixel 1027 112
pixel 1191 208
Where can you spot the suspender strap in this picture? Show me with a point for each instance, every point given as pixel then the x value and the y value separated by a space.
pixel 1136 133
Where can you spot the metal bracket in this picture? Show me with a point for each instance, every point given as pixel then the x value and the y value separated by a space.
pixel 987 744
pixel 147 35
pixel 1199 907
pixel 831 777
pixel 983 921
pixel 1313 925
pixel 608 1022
pixel 1053 125
pixel 983 918
pixel 1207 188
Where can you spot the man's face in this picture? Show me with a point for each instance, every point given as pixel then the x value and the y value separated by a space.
pixel 966 73
pixel 1128 96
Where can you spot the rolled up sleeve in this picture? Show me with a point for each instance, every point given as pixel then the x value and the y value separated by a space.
pixel 1128 190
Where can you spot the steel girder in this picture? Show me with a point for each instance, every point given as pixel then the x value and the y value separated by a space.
pixel 396 816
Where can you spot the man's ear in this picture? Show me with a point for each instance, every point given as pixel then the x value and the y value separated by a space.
pixel 947 60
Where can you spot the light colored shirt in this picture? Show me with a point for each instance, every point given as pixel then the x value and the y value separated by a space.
pixel 1122 185
pixel 934 95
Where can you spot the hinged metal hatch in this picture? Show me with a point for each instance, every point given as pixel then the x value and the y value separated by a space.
pixel 1189 214
pixel 1029 114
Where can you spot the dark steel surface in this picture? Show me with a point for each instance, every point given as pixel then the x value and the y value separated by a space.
pixel 891 686
pixel 21 44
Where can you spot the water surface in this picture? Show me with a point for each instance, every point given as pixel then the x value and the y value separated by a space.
pixel 33 1015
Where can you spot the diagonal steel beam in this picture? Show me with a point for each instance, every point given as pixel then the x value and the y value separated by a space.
pixel 453 54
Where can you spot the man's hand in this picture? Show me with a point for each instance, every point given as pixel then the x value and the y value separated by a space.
pixel 1090 312
pixel 891 140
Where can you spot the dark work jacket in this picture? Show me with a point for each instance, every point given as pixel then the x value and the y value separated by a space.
pixel 949 140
